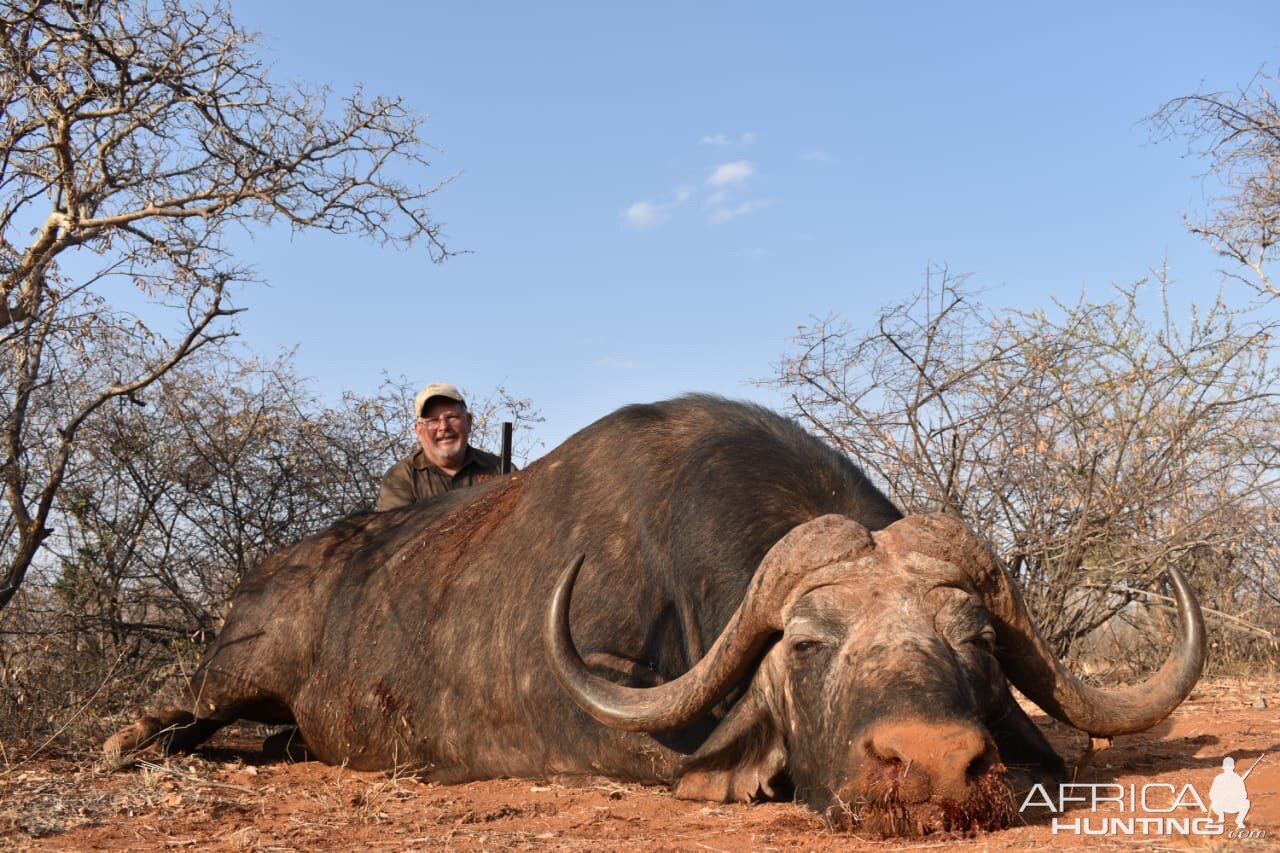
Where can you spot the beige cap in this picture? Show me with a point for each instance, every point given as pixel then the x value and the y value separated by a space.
pixel 435 389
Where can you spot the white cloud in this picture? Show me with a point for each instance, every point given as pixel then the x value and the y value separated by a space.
pixel 644 215
pixel 720 195
pixel 724 213
pixel 816 156
pixel 719 140
pixel 727 174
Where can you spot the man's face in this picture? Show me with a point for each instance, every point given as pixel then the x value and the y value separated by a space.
pixel 442 431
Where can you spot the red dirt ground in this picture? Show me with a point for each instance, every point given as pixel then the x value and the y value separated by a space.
pixel 228 798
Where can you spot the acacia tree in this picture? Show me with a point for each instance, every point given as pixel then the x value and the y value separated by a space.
pixel 1239 135
pixel 1090 446
pixel 173 502
pixel 135 134
pixel 232 459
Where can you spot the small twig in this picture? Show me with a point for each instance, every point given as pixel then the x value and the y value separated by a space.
pixel 1240 624
pixel 1096 745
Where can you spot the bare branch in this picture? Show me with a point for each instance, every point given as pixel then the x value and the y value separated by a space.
pixel 1239 134
pixel 1088 446
pixel 134 133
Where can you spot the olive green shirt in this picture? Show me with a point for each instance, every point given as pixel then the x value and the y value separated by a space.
pixel 413 478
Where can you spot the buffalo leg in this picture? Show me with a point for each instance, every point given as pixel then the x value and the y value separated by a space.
pixel 172 730
pixel 217 701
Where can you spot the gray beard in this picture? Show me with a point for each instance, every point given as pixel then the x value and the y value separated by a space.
pixel 452 459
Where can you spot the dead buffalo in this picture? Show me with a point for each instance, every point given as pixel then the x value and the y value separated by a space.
pixel 695 592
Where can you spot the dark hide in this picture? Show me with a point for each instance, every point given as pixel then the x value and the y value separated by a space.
pixel 412 639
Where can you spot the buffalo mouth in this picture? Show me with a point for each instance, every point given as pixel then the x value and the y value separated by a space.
pixel 914 776
pixel 883 807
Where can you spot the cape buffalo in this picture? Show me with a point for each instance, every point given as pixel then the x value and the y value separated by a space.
pixel 694 592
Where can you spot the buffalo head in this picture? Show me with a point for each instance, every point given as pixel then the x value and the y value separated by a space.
pixel 870 673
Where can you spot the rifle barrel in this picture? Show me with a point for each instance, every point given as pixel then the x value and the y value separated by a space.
pixel 505 466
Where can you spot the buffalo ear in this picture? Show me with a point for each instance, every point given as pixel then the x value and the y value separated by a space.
pixel 741 760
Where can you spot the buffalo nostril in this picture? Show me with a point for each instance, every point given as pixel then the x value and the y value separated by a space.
pixel 886 756
pixel 977 768
pixel 923 760
pixel 892 767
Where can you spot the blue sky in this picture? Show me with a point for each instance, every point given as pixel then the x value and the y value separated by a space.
pixel 654 196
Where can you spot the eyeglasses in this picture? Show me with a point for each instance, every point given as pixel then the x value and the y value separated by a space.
pixel 450 420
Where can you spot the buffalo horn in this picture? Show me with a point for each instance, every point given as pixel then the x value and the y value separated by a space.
pixel 760 615
pixel 1033 668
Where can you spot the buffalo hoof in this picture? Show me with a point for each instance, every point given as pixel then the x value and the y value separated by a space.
pixel 287 745
pixel 124 747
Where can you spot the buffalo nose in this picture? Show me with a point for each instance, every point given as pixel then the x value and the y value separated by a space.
pixel 925 760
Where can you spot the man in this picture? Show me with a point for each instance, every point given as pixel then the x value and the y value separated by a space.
pixel 443 460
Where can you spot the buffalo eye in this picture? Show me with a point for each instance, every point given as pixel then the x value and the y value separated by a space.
pixel 985 640
pixel 803 648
